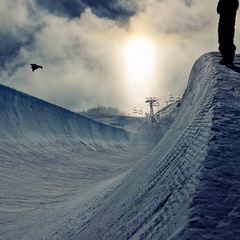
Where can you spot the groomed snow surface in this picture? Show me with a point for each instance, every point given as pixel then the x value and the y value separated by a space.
pixel 65 176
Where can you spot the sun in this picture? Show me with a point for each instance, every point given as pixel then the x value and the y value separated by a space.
pixel 139 60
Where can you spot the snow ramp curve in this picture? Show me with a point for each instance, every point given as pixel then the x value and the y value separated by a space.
pixel 188 187
pixel 24 117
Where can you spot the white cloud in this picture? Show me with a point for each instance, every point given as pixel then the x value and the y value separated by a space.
pixel 82 57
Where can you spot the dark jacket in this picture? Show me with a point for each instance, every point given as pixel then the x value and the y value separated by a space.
pixel 227 10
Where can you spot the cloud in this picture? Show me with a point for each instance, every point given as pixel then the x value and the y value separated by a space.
pixel 65 8
pixel 183 31
pixel 112 9
pixel 82 54
pixel 77 59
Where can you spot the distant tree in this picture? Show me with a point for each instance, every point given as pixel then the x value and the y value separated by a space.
pixel 102 110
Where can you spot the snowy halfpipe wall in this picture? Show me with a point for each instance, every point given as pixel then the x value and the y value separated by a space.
pixel 47 155
pixel 186 188
pixel 24 117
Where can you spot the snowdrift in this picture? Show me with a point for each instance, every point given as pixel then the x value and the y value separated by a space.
pixel 55 184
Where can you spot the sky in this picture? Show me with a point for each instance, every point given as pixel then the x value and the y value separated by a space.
pixel 104 53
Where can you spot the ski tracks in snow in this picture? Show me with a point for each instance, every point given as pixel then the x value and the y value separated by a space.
pixel 153 202
pixel 216 205
pixel 185 187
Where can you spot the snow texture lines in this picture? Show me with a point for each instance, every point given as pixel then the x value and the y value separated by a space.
pixel 216 207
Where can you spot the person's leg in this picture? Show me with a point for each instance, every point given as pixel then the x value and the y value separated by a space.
pixel 226 44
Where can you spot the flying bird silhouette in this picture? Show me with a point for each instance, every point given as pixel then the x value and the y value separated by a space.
pixel 34 66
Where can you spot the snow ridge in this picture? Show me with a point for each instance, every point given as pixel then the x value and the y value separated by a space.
pixel 167 195
pixel 215 208
pixel 157 194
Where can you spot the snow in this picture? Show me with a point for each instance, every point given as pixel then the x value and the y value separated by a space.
pixel 66 176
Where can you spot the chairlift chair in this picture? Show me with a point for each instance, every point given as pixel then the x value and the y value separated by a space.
pixel 171 100
pixel 178 98
pixel 135 110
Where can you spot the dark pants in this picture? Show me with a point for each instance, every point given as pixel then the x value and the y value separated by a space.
pixel 226 40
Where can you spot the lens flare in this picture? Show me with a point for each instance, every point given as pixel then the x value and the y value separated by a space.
pixel 139 61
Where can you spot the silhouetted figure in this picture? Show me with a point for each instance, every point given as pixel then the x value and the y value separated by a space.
pixel 227 10
pixel 34 66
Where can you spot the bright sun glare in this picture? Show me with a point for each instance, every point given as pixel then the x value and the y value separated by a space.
pixel 139 60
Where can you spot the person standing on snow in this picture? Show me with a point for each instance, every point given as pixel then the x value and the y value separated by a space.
pixel 227 10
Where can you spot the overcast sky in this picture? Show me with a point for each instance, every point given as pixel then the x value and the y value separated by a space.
pixel 106 52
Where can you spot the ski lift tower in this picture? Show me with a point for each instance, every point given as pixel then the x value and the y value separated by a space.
pixel 151 101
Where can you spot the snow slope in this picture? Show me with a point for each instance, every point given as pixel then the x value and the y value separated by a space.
pixel 64 176
pixel 48 153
